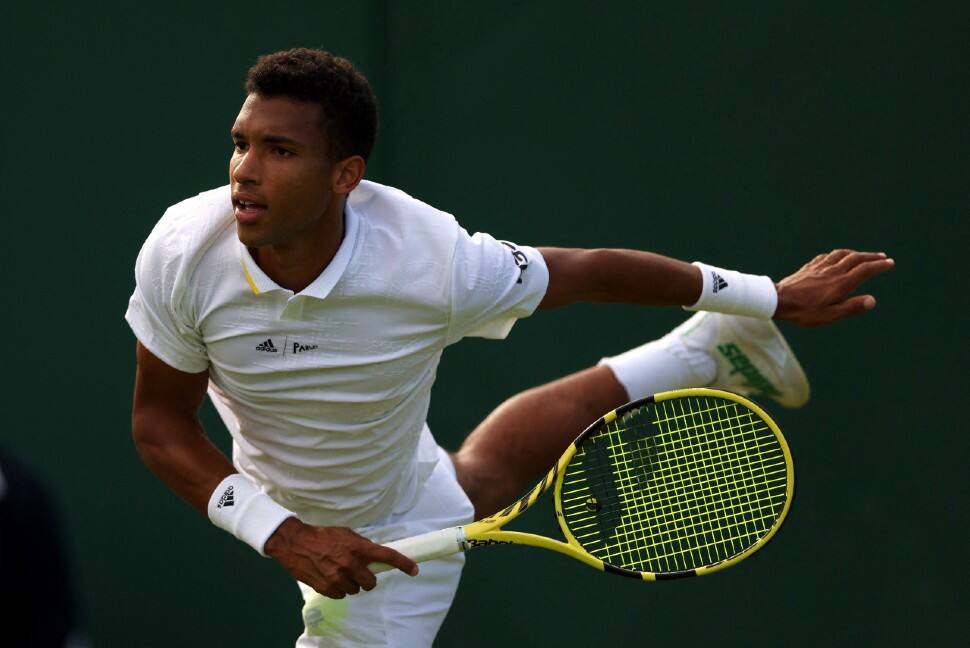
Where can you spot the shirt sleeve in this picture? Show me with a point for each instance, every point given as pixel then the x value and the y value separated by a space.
pixel 494 283
pixel 155 313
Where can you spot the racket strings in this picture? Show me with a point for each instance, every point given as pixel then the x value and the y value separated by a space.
pixel 678 509
pixel 669 487
pixel 675 508
pixel 677 471
pixel 669 522
pixel 629 533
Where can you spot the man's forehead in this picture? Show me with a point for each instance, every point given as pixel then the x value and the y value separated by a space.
pixel 259 113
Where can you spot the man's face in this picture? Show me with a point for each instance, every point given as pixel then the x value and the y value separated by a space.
pixel 279 171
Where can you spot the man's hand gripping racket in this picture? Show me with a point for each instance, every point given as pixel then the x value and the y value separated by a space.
pixel 678 484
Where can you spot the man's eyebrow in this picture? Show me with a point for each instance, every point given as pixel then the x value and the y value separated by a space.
pixel 269 139
pixel 279 139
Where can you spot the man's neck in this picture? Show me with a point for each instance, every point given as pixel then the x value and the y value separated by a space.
pixel 296 265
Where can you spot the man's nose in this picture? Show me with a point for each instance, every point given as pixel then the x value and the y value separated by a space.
pixel 246 168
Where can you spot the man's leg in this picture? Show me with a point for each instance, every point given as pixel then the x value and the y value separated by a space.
pixel 527 433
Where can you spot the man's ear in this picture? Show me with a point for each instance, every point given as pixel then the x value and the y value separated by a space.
pixel 347 174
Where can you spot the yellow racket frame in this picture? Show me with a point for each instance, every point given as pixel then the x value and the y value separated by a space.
pixel 488 531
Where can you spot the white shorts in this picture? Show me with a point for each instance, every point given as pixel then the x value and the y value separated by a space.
pixel 401 612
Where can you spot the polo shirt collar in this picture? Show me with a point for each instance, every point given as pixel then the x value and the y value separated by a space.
pixel 259 282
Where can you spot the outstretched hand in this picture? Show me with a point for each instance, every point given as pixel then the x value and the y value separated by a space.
pixel 820 292
pixel 331 560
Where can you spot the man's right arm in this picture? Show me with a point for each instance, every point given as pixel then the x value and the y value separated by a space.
pixel 167 433
pixel 172 443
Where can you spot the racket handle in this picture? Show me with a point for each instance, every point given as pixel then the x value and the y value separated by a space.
pixel 427 546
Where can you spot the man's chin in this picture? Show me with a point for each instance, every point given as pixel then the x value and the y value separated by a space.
pixel 251 237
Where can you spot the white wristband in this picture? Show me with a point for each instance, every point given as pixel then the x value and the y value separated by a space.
pixel 239 507
pixel 735 293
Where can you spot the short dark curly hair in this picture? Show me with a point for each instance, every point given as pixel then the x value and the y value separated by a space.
pixel 349 106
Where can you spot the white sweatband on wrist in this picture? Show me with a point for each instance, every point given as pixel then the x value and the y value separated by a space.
pixel 735 293
pixel 239 507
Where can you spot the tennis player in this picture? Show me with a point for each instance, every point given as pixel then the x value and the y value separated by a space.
pixel 313 307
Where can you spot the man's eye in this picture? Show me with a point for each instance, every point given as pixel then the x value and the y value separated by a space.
pixel 240 146
pixel 282 152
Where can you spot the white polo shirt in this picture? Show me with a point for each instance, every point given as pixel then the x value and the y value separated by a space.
pixel 326 391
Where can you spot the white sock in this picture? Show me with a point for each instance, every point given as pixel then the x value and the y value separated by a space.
pixel 661 365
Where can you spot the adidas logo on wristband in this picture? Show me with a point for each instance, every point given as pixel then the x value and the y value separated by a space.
pixel 750 295
pixel 257 516
pixel 717 282
pixel 226 499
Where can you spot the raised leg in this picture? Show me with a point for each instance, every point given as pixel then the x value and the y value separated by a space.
pixel 527 433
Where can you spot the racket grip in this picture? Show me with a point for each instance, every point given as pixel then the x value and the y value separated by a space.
pixel 427 546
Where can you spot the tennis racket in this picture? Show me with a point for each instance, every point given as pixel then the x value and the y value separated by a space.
pixel 678 484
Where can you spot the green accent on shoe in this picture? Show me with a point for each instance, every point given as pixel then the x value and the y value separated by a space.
pixel 741 364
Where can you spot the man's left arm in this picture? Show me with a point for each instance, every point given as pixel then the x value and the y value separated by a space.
pixel 818 293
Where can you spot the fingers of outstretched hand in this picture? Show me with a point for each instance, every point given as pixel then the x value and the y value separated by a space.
pixel 840 280
pixel 843 259
pixel 836 282
pixel 866 270
pixel 820 292
pixel 852 306
pixel 853 259
pixel 832 257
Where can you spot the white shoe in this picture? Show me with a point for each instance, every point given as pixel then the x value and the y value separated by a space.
pixel 751 355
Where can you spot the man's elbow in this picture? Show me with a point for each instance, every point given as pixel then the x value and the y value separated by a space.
pixel 143 433
pixel 574 276
pixel 151 432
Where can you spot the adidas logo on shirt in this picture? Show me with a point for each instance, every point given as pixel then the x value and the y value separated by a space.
pixel 718 282
pixel 227 499
pixel 267 346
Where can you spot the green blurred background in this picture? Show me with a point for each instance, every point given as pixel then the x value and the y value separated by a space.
pixel 749 135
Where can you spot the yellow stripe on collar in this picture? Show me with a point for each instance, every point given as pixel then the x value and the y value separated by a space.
pixel 249 278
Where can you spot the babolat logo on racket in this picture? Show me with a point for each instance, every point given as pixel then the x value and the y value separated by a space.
pixel 742 364
pixel 486 543
pixel 521 260
pixel 227 499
